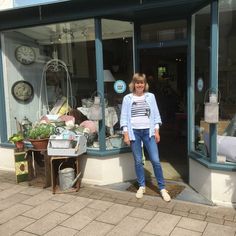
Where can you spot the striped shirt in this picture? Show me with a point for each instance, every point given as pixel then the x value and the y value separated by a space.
pixel 140 113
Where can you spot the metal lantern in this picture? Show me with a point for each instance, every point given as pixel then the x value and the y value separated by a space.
pixel 211 109
pixel 26 124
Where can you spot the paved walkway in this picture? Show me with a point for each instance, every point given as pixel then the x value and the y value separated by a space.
pixel 26 211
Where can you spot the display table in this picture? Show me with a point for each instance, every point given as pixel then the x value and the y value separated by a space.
pixel 38 167
pixel 55 164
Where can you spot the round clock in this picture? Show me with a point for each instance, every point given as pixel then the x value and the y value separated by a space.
pixel 25 55
pixel 22 91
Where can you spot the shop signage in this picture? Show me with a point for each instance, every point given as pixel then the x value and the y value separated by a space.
pixel 119 86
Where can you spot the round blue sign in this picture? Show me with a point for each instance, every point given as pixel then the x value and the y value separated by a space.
pixel 200 84
pixel 120 86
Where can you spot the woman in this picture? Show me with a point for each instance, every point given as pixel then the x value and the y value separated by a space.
pixel 140 120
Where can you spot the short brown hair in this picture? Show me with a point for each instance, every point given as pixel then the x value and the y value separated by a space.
pixel 136 78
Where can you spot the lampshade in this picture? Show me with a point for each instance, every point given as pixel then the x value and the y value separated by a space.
pixel 108 77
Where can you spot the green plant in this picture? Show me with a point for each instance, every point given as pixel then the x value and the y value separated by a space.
pixel 41 131
pixel 17 137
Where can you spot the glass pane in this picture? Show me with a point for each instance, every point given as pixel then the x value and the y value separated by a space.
pixel 227 80
pixel 118 66
pixel 164 31
pixel 202 53
pixel 46 66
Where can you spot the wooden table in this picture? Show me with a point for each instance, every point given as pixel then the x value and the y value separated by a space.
pixel 38 167
pixel 55 163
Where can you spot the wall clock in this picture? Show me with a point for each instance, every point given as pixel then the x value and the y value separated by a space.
pixel 22 91
pixel 25 55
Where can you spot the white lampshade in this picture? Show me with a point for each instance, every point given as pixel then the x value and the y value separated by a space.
pixel 108 77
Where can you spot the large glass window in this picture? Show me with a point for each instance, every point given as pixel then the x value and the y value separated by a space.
pixel 47 66
pixel 118 66
pixel 202 59
pixel 226 139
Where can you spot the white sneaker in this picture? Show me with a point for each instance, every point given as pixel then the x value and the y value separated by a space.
pixel 165 195
pixel 140 192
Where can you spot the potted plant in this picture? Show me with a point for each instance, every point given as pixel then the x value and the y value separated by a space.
pixel 39 135
pixel 18 140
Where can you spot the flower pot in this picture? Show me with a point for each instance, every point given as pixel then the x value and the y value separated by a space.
pixel 39 143
pixel 19 146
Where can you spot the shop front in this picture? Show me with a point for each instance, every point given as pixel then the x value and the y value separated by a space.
pixel 100 46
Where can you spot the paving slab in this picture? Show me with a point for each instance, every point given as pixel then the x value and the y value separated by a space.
pixel 14 225
pixel 46 223
pixel 162 224
pixel 42 209
pixel 128 226
pixel 218 230
pixel 13 199
pixel 96 228
pixel 115 214
pixel 74 205
pixel 61 231
pixel 191 224
pixel 12 212
pixel 184 232
pixel 143 213
pixel 81 218
pixel 39 198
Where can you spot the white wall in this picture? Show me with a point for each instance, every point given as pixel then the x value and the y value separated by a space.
pixel 7 159
pixel 216 185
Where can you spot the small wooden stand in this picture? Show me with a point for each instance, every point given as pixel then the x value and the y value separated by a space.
pixel 39 175
pixel 55 162
pixel 21 166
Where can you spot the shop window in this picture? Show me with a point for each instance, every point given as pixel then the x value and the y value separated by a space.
pixel 118 65
pixel 226 138
pixel 32 92
pixel 202 59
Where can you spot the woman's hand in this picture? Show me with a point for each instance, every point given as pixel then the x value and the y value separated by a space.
pixel 157 136
pixel 126 138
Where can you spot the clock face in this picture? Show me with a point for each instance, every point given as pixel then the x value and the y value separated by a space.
pixel 25 55
pixel 22 91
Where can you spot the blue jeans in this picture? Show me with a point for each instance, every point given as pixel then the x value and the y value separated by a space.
pixel 142 135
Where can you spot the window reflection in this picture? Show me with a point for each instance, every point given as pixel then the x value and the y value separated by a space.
pixel 73 44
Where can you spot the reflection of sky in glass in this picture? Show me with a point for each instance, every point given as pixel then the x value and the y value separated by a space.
pixel 21 3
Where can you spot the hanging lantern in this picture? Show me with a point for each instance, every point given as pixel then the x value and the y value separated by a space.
pixel 211 109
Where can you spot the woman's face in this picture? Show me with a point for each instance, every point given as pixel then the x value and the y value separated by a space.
pixel 139 87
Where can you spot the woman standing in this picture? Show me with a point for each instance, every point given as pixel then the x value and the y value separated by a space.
pixel 140 120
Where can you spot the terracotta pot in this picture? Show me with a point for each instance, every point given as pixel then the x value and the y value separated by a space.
pixel 19 145
pixel 39 143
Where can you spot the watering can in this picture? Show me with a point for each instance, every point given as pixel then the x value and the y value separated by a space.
pixel 67 177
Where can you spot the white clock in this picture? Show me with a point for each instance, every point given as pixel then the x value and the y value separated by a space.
pixel 25 55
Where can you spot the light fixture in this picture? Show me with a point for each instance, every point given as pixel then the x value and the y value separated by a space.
pixel 108 77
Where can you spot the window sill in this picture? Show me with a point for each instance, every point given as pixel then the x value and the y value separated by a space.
pixel 228 166
pixel 114 151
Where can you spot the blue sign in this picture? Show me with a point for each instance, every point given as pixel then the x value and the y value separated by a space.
pixel 120 86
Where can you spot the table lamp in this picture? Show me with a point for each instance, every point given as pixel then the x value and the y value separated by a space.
pixel 108 77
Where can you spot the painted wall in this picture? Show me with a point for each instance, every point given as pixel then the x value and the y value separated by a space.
pixel 206 182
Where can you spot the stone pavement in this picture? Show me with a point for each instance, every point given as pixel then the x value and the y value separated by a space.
pixel 26 211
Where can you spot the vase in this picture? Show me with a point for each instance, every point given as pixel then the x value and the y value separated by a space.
pixel 39 143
